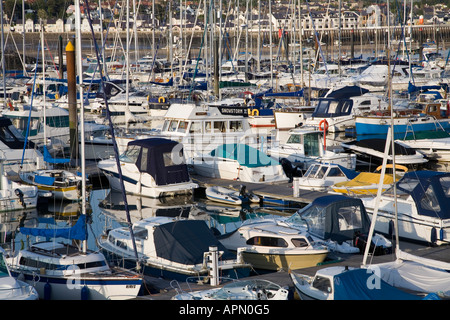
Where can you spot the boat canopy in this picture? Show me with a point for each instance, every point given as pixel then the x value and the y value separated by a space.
pixel 330 108
pixel 353 285
pixel 246 155
pixel 77 232
pixel 163 159
pixel 430 191
pixel 335 217
pixel 186 241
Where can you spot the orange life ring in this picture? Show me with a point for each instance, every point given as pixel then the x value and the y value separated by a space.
pixel 324 129
pixel 325 125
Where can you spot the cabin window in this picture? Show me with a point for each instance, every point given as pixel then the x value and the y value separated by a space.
pixel 267 242
pixel 173 125
pixel 429 200
pixel 182 126
pixel 144 160
pixel 3 269
pixel 5 135
pixel 236 126
pixel 335 172
pixel 173 158
pixel 321 172
pixel 445 183
pixel 166 125
pixel 140 233
pixel 294 138
pixel 220 126
pixel 349 218
pixel 311 145
pixel 131 154
pixel 300 242
pixel 196 127
pixel 208 126
pixel 321 283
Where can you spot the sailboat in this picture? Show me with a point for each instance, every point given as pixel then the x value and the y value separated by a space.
pixel 61 184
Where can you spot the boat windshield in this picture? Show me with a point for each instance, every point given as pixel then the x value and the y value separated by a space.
pixel 3 269
pixel 131 154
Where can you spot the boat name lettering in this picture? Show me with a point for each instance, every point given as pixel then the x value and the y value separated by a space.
pixel 238 111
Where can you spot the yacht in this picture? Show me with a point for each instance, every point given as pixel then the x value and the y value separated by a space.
pixel 153 167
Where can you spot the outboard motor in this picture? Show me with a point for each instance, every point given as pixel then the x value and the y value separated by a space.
pixel 19 193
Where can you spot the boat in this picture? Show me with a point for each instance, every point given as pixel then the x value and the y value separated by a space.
pixel 12 288
pixel 61 184
pixel 17 154
pixel 340 113
pixel 344 283
pixel 422 206
pixel 340 222
pixel 322 176
pixel 371 151
pixel 60 270
pixel 173 248
pixel 239 162
pixel 367 183
pixel 230 196
pixel 269 245
pixel 251 289
pixel 15 195
pixel 141 207
pixel 434 145
pixel 376 123
pixel 152 167
pixel 307 145
pixel 202 128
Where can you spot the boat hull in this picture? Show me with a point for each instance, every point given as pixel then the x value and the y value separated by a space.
pixel 380 125
pixel 74 288
pixel 270 261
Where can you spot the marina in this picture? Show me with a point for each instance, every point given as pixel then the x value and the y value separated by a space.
pixel 289 170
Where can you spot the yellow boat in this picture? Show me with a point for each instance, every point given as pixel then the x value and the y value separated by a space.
pixel 366 183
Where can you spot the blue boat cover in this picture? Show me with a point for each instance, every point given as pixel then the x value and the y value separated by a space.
pixel 161 159
pixel 48 157
pixel 185 241
pixel 77 232
pixel 362 284
pixel 336 217
pixel 429 189
pixel 48 181
pixel 245 155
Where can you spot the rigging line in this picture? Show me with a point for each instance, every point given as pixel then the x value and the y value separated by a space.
pixel 116 150
pixel 316 35
pixel 31 105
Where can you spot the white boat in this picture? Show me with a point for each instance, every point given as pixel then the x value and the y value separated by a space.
pixel 372 151
pixel 239 162
pixel 12 288
pixel 321 176
pixel 344 283
pixel 422 206
pixel 15 195
pixel 61 184
pixel 367 183
pixel 153 167
pixel 338 114
pixel 307 145
pixel 13 155
pixel 268 245
pixel 172 248
pixel 252 289
pixel 230 196
pixel 435 145
pixel 202 128
pixel 61 271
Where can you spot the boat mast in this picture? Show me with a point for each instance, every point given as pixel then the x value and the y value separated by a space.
pixel 80 90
